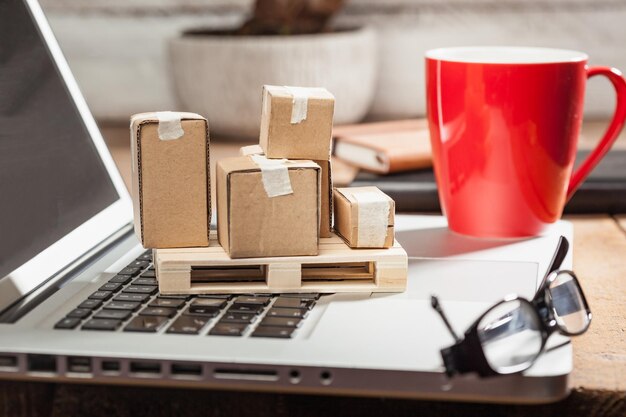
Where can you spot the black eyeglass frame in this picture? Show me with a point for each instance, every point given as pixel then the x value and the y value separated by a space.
pixel 467 354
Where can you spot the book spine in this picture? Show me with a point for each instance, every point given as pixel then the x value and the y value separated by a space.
pixel 422 197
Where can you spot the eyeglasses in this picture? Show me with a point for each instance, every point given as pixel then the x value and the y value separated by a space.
pixel 509 337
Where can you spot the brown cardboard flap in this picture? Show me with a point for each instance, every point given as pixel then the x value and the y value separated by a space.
pixel 326 199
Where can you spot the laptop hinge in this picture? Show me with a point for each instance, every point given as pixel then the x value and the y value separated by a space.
pixel 42 292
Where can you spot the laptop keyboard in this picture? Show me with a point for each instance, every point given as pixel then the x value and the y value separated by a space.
pixel 130 302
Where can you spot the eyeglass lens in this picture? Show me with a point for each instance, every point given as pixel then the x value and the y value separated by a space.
pixel 510 335
pixel 569 308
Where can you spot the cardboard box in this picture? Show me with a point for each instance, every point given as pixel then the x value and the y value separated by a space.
pixel 326 199
pixel 326 196
pixel 171 185
pixel 364 217
pixel 296 123
pixel 252 224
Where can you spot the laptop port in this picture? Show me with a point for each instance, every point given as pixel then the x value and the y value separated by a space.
pixel 145 368
pixel 110 367
pixel 8 363
pixel 326 378
pixel 186 369
pixel 246 374
pixel 79 364
pixel 294 376
pixel 42 363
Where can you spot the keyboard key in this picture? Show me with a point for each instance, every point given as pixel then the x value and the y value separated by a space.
pixel 90 304
pixel 285 302
pixel 167 302
pixel 158 311
pixel 113 314
pixel 228 329
pixel 67 323
pixel 175 296
pixel 138 298
pixel 287 312
pixel 146 256
pixel 140 289
pixel 237 317
pixel 150 324
pixel 272 331
pixel 304 296
pixel 101 295
pixel 130 270
pixel 111 286
pixel 209 302
pixel 121 279
pixel 79 313
pixel 245 309
pixel 222 296
pixel 145 281
pixel 101 324
pixel 122 305
pixel 201 310
pixel 280 321
pixel 149 274
pixel 141 264
pixel 188 324
pixel 251 300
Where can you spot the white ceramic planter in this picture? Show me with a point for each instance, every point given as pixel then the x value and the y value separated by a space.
pixel 221 77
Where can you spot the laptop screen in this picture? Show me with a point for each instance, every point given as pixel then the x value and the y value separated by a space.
pixel 51 177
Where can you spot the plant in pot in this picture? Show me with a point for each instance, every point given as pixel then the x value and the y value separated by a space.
pixel 219 73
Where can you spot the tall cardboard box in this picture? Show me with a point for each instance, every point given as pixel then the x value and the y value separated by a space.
pixel 171 185
pixel 296 122
pixel 251 223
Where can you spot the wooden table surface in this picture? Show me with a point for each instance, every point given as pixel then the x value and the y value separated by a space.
pixel 598 381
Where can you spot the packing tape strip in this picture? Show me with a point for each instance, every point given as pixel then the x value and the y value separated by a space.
pixel 170 126
pixel 300 103
pixel 373 219
pixel 250 150
pixel 275 175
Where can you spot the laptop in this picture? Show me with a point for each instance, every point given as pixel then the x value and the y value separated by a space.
pixel 79 300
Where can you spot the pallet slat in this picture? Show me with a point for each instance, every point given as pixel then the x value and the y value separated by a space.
pixel 337 268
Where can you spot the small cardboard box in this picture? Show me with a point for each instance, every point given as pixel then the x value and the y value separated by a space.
pixel 326 197
pixel 252 224
pixel 171 184
pixel 296 122
pixel 364 217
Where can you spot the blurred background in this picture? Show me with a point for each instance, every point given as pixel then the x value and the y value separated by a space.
pixel 129 56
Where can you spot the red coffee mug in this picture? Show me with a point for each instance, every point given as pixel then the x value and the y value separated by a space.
pixel 504 125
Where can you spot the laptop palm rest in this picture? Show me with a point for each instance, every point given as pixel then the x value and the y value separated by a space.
pixel 466 288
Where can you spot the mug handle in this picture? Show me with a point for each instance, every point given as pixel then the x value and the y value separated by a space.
pixel 619 117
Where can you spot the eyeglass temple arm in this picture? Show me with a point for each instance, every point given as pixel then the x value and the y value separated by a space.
pixel 562 248
pixel 434 302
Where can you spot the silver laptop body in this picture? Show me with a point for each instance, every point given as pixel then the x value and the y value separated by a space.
pixel 65 231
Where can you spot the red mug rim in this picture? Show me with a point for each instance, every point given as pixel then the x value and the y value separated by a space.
pixel 506 55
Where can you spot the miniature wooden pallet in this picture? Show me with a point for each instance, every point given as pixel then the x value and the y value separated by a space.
pixel 337 268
